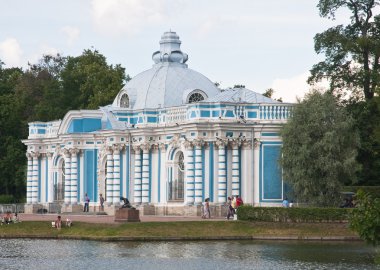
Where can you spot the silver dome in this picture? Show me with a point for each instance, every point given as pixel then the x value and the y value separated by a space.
pixel 169 82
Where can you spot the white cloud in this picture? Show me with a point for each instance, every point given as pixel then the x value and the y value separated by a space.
pixel 43 50
pixel 291 88
pixel 72 34
pixel 11 52
pixel 117 17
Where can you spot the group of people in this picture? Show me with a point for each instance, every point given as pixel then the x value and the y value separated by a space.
pixel 8 218
pixel 58 223
pixel 233 204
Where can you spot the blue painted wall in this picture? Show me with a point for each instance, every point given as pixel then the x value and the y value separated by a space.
pixel 90 176
pixel 84 125
pixel 270 172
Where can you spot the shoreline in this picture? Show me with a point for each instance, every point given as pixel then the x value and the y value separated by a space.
pixel 184 238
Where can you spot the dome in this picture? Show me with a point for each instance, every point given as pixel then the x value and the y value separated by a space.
pixel 168 83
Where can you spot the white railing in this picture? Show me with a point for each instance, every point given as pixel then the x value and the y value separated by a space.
pixel 176 115
pixel 275 112
pixel 43 129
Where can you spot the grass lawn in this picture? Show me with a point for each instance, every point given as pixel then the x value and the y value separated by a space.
pixel 188 229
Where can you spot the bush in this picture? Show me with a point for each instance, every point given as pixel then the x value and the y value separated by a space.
pixel 293 214
pixel 372 190
pixel 6 199
pixel 365 219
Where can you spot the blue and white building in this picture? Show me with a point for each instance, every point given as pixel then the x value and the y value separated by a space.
pixel 170 139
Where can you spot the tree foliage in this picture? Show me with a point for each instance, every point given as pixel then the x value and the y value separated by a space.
pixel 45 91
pixel 319 149
pixel 367 122
pixel 365 218
pixel 352 51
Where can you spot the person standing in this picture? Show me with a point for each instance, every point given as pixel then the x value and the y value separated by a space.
pixel 230 209
pixel 285 202
pixel 206 211
pixel 86 203
pixel 101 200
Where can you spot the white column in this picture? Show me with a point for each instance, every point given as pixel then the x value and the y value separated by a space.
pixel 235 169
pixel 189 170
pixel 116 174
pixel 145 174
pixel 162 186
pixel 109 176
pixel 74 176
pixel 256 173
pixel 29 179
pixel 222 171
pixel 198 179
pixel 50 180
pixel 35 174
pixel 67 176
pixel 137 184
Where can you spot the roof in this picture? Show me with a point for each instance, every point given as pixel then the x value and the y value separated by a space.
pixel 169 82
pixel 240 95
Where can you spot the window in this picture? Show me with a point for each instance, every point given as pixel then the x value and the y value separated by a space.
pixel 124 101
pixel 196 97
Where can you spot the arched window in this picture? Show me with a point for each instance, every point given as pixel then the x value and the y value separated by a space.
pixel 196 97
pixel 124 101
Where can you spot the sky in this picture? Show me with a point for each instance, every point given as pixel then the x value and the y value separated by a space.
pixel 260 44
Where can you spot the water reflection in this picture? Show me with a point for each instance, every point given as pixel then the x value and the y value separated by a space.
pixel 67 254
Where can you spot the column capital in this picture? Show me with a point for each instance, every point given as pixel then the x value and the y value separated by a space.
pixel 256 143
pixel 145 147
pixel 247 144
pixel 155 146
pixel 198 142
pixel 35 154
pixel 28 155
pixel 74 151
pixel 136 148
pixel 221 143
pixel 66 153
pixel 235 143
pixel 108 150
pixel 49 154
pixel 188 144
pixel 116 148
pixel 162 147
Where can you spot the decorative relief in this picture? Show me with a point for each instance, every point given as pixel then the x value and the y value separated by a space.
pixel 117 148
pixel 145 147
pixel 175 143
pixel 162 147
pixel 136 148
pixel 247 144
pixel 188 144
pixel 221 143
pixel 198 142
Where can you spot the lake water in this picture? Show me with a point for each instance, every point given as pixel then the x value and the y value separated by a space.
pixel 94 255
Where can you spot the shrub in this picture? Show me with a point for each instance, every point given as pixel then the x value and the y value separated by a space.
pixel 372 190
pixel 293 214
pixel 5 199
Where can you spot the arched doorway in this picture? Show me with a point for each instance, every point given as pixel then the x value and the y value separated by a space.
pixel 176 183
pixel 59 182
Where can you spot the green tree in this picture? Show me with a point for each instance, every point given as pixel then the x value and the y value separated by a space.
pixel 40 90
pixel 365 218
pixel 12 151
pixel 319 149
pixel 352 51
pixel 89 82
pixel 369 131
pixel 269 93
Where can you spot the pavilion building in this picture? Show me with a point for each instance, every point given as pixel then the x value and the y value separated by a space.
pixel 170 139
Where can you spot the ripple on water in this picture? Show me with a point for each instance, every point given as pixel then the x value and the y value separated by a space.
pixel 75 254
